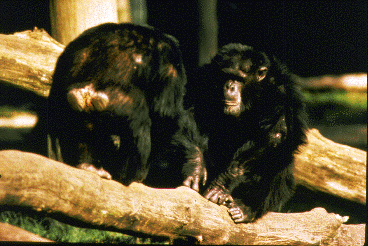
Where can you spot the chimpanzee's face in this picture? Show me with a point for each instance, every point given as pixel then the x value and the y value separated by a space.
pixel 236 77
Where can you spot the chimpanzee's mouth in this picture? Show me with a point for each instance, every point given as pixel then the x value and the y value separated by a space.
pixel 231 103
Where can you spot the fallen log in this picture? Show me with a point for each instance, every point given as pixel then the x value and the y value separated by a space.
pixel 27 60
pixel 333 168
pixel 34 181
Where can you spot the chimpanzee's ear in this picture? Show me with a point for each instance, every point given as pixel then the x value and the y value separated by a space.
pixel 261 73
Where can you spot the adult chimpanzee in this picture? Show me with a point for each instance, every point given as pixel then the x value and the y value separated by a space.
pixel 250 109
pixel 116 108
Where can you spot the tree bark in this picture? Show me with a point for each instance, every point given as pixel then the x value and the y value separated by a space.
pixel 35 181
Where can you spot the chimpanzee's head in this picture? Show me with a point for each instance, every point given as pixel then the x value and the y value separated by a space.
pixel 239 70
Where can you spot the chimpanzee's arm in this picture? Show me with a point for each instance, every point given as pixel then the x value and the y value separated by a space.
pixel 243 167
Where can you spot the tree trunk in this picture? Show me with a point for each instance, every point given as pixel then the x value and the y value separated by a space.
pixel 35 181
pixel 71 18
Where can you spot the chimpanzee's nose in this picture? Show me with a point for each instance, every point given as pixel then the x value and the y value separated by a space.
pixel 229 86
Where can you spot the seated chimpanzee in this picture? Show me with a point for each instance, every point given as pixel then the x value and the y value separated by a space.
pixel 249 107
pixel 116 108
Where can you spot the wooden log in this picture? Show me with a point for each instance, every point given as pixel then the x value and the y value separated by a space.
pixel 35 181
pixel 27 60
pixel 332 168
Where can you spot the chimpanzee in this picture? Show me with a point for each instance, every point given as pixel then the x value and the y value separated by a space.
pixel 116 108
pixel 249 106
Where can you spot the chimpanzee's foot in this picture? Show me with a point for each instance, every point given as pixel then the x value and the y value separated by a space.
pixel 239 212
pixel 217 194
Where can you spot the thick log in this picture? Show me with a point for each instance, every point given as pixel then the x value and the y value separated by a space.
pixel 333 168
pixel 34 181
pixel 27 60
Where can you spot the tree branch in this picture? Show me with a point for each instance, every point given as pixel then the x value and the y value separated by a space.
pixel 35 181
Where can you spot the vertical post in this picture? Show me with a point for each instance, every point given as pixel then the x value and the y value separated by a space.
pixel 208 30
pixel 124 10
pixel 69 18
pixel 134 11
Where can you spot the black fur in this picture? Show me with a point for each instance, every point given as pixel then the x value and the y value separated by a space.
pixel 250 155
pixel 116 103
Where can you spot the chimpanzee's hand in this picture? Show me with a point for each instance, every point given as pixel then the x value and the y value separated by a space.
pixel 193 180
